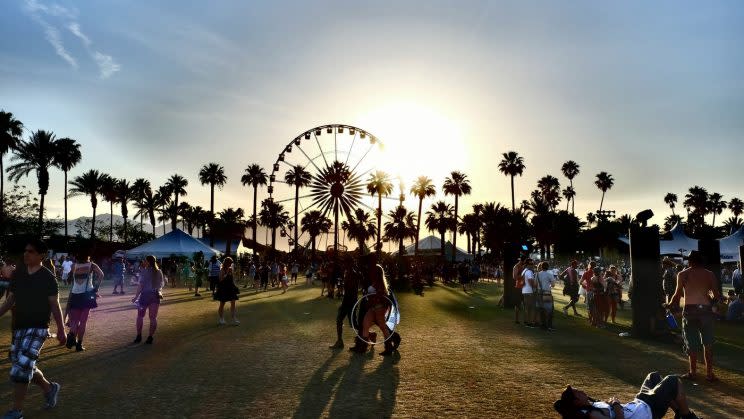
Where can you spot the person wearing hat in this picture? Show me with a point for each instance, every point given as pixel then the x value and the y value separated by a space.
pixel 653 400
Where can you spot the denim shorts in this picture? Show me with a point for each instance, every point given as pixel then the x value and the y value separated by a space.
pixel 697 327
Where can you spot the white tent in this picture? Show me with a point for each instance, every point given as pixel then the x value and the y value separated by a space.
pixel 432 245
pixel 730 246
pixel 679 240
pixel 236 246
pixel 176 243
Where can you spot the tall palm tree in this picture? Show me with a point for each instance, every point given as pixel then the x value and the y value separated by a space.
pixel 359 226
pixel 255 176
pixel 716 205
pixel 108 191
pixel 298 177
pixel 89 183
pixel 570 170
pixel 230 226
pixel 421 189
pixel 736 206
pixel 402 226
pixel 696 202
pixel 440 219
pixel 274 217
pixel 314 223
pixel 200 219
pixel 177 185
pixel 671 200
pixel 68 156
pixel 148 205
pixel 124 195
pixel 456 184
pixel 512 164
pixel 591 218
pixel 140 189
pixel 184 211
pixel 212 174
pixel 35 155
pixel 163 201
pixel 469 227
pixel 379 183
pixel 11 130
pixel 732 224
pixel 478 214
pixel 604 182
pixel 569 193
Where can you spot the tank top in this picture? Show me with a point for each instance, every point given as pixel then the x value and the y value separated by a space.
pixel 83 281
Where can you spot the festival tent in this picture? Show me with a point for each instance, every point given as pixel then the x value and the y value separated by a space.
pixel 236 246
pixel 176 243
pixel 730 246
pixel 432 246
pixel 679 240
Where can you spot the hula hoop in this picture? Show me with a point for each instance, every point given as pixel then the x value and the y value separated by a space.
pixel 387 316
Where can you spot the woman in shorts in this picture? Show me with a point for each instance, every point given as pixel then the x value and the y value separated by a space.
pixel 226 291
pixel 82 298
pixel 148 296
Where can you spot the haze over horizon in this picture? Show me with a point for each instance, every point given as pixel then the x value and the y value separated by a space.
pixel 651 93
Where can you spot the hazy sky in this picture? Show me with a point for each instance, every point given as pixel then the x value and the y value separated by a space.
pixel 652 92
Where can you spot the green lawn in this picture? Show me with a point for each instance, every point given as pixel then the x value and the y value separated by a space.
pixel 461 355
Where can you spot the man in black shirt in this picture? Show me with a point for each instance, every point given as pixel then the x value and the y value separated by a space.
pixel 34 295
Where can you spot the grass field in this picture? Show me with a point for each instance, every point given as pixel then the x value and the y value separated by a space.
pixel 460 356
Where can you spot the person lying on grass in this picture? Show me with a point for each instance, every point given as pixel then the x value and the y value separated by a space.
pixel 656 396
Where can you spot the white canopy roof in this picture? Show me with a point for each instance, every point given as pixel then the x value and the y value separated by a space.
pixel 682 243
pixel 177 243
pixel 432 244
pixel 730 246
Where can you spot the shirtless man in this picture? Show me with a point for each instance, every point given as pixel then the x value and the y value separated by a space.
pixel 697 283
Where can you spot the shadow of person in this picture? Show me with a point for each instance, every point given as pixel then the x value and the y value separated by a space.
pixel 367 395
pixel 318 391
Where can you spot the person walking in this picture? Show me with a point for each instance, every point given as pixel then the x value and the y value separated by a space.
pixel 669 277
pixel 33 295
pixel 213 277
pixel 148 296
pixel 517 270
pixel 614 291
pixel 66 269
pixel 227 291
pixel 295 270
pixel 82 298
pixel 117 273
pixel 379 306
pixel 570 278
pixel 528 293
pixel 544 296
pixel 351 289
pixel 697 284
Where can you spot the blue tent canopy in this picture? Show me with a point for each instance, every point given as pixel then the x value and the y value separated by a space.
pixel 176 243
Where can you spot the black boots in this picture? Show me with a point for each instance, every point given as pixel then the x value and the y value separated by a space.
pixel 70 340
pixel 395 340
pixel 79 346
pixel 338 345
pixel 388 348
pixel 359 347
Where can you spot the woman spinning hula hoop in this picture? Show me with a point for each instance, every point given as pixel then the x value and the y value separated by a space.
pixel 379 305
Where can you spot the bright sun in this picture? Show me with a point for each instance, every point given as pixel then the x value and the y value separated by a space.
pixel 419 141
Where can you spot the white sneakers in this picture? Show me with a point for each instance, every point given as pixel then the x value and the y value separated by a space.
pixel 221 322
pixel 236 321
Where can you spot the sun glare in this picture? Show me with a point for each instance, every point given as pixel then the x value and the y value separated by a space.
pixel 419 141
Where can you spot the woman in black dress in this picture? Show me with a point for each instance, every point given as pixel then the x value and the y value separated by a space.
pixel 227 291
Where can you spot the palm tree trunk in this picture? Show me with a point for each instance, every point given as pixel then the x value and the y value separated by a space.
pixel 714 219
pixel 441 245
pixel 400 247
pixel 174 219
pixel 253 224
pixel 41 215
pixel 312 244
pixel 65 207
pixel 418 226
pixel 211 211
pixel 602 201
pixel 125 229
pixel 2 195
pixel 93 224
pixel 672 208
pixel 467 238
pixel 111 221
pixel 378 247
pixel 454 233
pixel 573 199
pixel 153 230
pixel 512 192
pixel 297 199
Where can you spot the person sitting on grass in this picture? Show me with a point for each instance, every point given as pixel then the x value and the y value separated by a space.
pixel 653 400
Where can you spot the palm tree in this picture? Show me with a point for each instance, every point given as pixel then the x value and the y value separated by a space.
pixel 604 182
pixel 478 214
pixel 696 202
pixel 274 217
pixel 108 191
pixel 457 184
pixel 201 218
pixel 732 224
pixel 591 218
pixel 300 178
pixel 379 183
pixel 214 175
pixel 360 227
pixel 230 225
pixel 671 200
pixel 184 211
pixel 569 193
pixel 570 170
pixel 671 221
pixel 255 176
pixel 470 226
pixel 148 205
pixel 736 206
pixel 140 188
pixel 422 188
pixel 550 188
pixel 716 205
pixel 402 225
pixel 68 156
pixel 511 165
pixel 314 223
pixel 440 219
pixel 124 195
pixel 163 201
pixel 37 154
pixel 11 130
pixel 89 183
pixel 177 185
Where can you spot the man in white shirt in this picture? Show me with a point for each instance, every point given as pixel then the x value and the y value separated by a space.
pixel 66 269
pixel 528 294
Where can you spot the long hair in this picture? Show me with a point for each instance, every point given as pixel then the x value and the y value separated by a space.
pixel 379 281
pixel 155 278
pixel 226 263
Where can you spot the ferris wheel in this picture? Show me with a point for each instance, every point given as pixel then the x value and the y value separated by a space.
pixel 324 169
